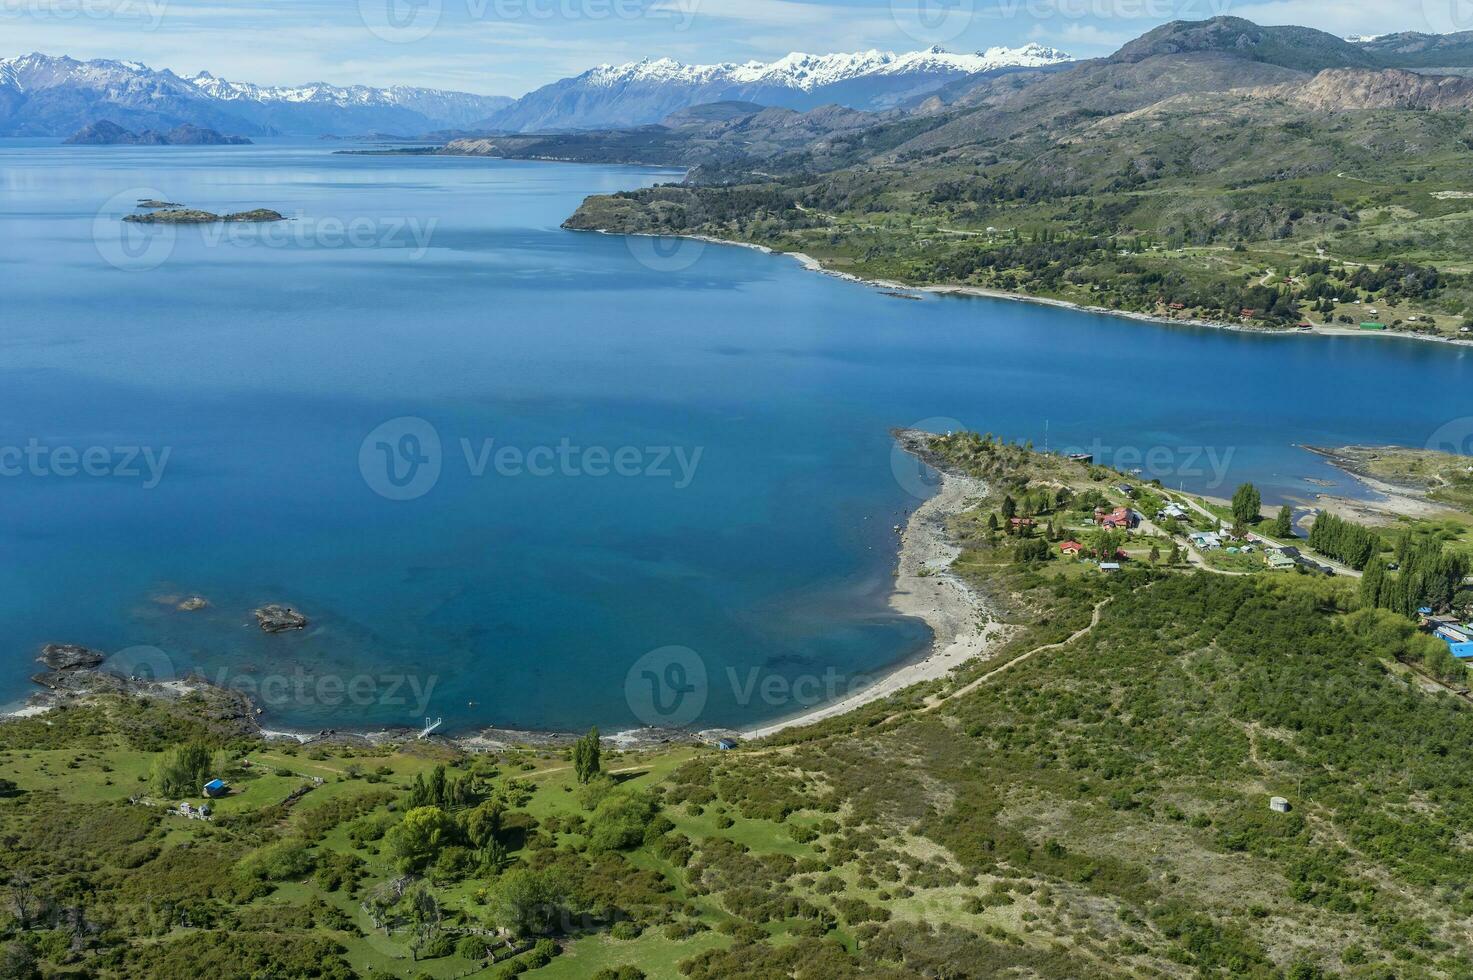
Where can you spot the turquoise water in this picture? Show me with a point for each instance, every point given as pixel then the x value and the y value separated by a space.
pixel 738 502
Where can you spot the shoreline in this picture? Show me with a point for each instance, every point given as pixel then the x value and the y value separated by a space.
pixel 961 621
pixel 981 292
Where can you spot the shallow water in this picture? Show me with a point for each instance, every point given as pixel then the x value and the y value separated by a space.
pixel 289 383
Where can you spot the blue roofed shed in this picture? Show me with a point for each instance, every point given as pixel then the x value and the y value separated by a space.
pixel 1463 651
pixel 215 787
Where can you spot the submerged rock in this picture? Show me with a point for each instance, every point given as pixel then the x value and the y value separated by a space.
pixel 193 604
pixel 69 656
pixel 280 619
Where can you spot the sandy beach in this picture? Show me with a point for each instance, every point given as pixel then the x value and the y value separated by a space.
pixel 925 588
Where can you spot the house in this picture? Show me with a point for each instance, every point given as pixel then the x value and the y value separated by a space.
pixel 216 787
pixel 1463 651
pixel 1172 511
pixel 1085 458
pixel 1248 313
pixel 1279 562
pixel 1454 634
pixel 1206 540
pixel 1121 518
pixel 726 744
pixel 1072 548
pixel 1018 522
pixel 1178 306
pixel 1126 489
pixel 1279 805
pixel 1109 567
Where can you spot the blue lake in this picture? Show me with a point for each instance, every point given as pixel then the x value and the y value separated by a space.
pixel 604 447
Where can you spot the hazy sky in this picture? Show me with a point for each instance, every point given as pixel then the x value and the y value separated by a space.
pixel 511 46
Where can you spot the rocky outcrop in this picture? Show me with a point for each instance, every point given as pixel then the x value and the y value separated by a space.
pixel 1352 89
pixel 68 656
pixel 280 619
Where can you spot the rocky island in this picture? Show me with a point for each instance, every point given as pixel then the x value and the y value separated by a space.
pixel 176 215
pixel 69 656
pixel 279 619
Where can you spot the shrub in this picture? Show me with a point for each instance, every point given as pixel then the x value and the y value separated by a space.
pixel 472 948
pixel 288 860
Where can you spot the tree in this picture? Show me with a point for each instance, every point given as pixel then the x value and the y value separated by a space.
pixel 1105 545
pixel 416 840
pixel 586 756
pixel 1247 504
pixel 1284 523
pixel 1009 507
pixel 529 903
pixel 182 771
pixel 1371 584
pixel 425 917
pixel 1155 554
pixel 483 824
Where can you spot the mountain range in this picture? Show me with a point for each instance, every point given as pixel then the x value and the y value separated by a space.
pixel 56 96
pixel 645 92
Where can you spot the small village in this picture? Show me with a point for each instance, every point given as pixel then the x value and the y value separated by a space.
pixel 1102 528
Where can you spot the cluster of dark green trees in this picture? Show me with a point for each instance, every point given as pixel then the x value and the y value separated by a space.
pixel 1428 576
pixel 183 770
pixel 445 792
pixel 1344 541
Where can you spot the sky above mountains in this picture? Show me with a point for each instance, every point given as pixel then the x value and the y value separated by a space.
pixel 508 47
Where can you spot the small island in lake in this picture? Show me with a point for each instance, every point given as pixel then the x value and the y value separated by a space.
pixel 175 214
pixel 106 133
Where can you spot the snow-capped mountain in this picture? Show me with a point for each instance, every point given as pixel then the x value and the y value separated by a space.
pixel 647 91
pixel 48 96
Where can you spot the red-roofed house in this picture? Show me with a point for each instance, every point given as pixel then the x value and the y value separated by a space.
pixel 1072 548
pixel 1121 518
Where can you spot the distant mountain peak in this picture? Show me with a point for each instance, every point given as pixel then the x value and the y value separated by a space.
pixel 805 71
